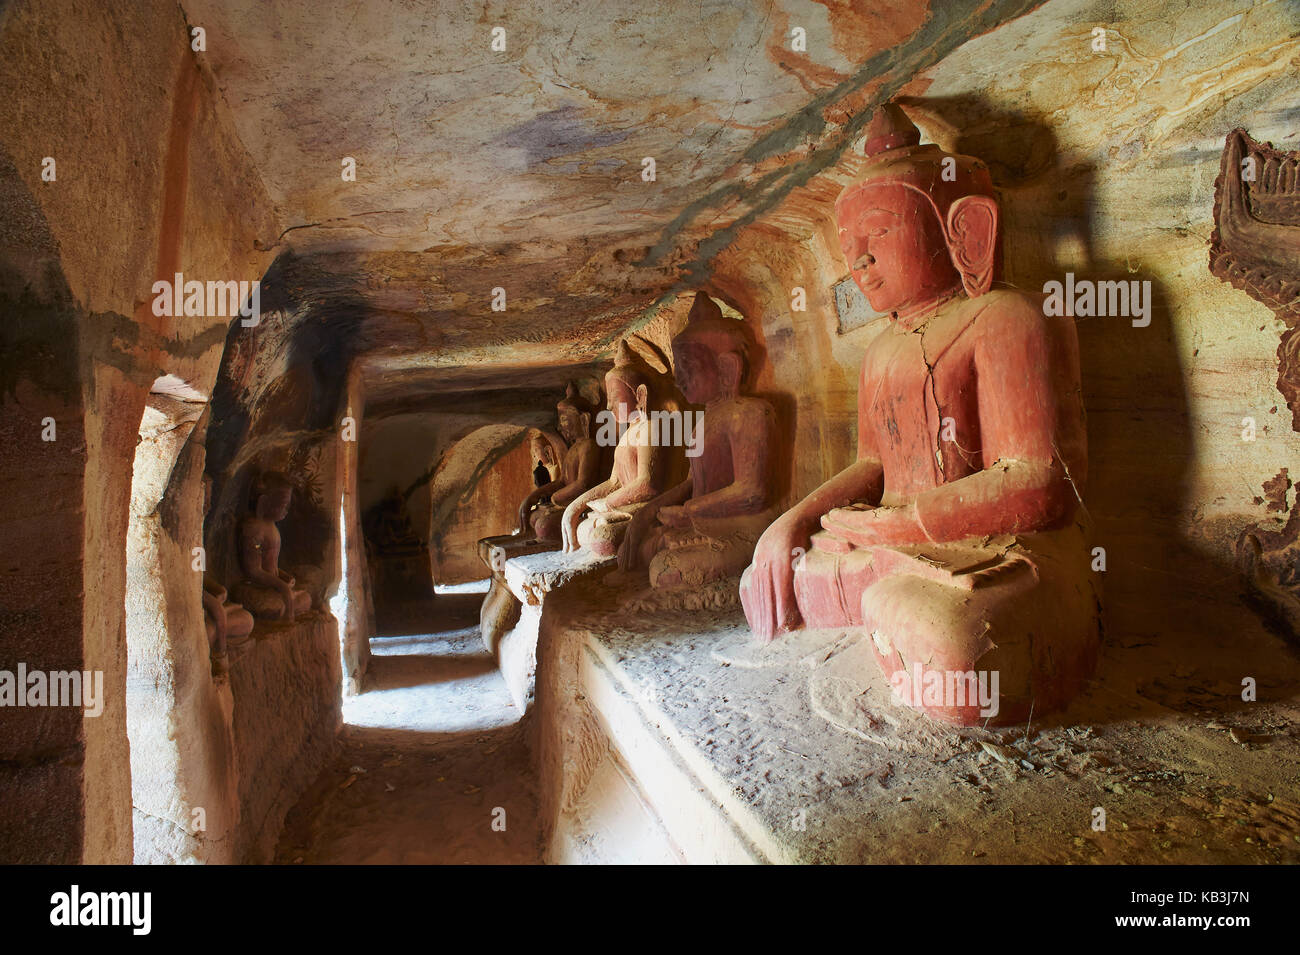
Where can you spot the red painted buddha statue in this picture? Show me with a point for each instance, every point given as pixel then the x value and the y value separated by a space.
pixel 956 540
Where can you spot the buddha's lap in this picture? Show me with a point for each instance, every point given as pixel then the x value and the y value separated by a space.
pixel 1047 572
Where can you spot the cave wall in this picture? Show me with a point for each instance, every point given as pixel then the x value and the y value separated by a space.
pixel 150 180
pixel 471 494
pixel 484 509
pixel 184 770
pixel 1105 165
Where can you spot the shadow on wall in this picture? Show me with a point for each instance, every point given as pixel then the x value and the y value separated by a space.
pixel 43 580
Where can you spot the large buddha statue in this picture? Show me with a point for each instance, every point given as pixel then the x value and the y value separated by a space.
pixel 266 590
pixel 542 510
pixel 704 529
pixel 956 540
pixel 643 465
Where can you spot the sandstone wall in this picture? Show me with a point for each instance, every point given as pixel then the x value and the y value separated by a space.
pixel 488 508
pixel 286 720
pixel 476 493
pixel 150 180
pixel 350 599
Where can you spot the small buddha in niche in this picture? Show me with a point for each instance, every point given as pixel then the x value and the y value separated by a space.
pixel 643 466
pixel 955 541
pixel 543 509
pixel 704 529
pixel 226 622
pixel 266 590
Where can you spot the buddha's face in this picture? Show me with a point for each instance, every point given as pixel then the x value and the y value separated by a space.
pixel 570 424
pixel 275 503
pixel 542 451
pixel 620 398
pixel 696 372
pixel 894 246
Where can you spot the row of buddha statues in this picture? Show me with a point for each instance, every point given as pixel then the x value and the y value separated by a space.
pixel 683 520
pixel 955 542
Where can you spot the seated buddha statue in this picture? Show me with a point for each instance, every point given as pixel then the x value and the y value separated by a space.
pixel 226 622
pixel 541 511
pixel 956 541
pixel 266 590
pixel 643 466
pixel 704 529
pixel 546 467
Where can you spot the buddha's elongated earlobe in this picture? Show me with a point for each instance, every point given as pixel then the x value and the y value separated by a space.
pixel 973 240
pixel 731 371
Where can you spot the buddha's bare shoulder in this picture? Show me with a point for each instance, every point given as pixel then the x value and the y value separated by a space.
pixel 1008 309
pixel 746 408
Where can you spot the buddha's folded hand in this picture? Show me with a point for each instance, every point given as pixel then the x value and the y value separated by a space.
pixel 673 516
pixel 863 524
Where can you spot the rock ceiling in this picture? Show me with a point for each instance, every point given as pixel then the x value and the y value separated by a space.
pixel 522 169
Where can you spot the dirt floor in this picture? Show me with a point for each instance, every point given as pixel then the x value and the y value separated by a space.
pixel 432 767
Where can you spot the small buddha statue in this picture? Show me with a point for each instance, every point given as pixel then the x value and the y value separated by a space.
pixel 545 465
pixel 955 541
pixel 266 590
pixel 704 529
pixel 643 466
pixel 542 510
pixel 226 622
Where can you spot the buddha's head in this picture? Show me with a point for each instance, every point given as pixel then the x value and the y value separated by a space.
pixel 574 415
pixel 630 385
pixel 920 224
pixel 710 355
pixel 541 448
pixel 274 492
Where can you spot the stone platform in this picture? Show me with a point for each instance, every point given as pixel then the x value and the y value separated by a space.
pixel 530 577
pixel 669 737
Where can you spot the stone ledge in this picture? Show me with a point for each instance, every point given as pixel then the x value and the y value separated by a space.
pixel 733 748
pixel 530 577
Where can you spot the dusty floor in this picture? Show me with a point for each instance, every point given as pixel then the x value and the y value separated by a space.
pixel 432 767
